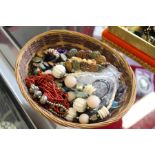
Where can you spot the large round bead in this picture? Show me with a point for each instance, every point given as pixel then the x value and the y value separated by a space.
pixel 84 119
pixel 80 104
pixel 71 114
pixel 93 101
pixel 70 81
pixel 58 71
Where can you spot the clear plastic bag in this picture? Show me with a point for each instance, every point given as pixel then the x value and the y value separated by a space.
pixel 105 82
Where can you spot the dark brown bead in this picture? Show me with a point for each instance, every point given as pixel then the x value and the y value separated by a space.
pixel 93 68
pixel 68 66
pixel 83 54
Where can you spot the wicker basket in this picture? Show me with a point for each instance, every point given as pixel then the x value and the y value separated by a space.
pixel 69 39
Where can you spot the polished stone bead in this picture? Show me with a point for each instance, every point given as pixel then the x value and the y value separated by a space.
pixel 42 66
pixel 75 65
pixel 93 117
pixel 115 105
pixel 40 54
pixel 43 99
pixel 37 93
pixel 31 90
pixel 79 86
pixel 37 59
pixel 63 57
pixel 68 66
pixel 71 96
pixel 36 71
pixel 81 94
pixel 73 50
pixel 36 64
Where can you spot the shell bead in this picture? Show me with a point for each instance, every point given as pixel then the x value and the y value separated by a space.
pixel 89 89
pixel 103 112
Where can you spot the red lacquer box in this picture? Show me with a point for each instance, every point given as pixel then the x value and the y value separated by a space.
pixel 130 44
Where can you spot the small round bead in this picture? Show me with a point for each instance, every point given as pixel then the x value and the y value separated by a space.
pixel 49 102
pixel 43 99
pixel 84 119
pixel 36 88
pixel 80 104
pixel 70 81
pixel 33 86
pixel 31 90
pixel 93 101
pixel 37 93
pixel 58 71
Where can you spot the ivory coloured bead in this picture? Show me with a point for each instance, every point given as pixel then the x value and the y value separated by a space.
pixel 71 114
pixel 80 104
pixel 70 81
pixel 58 71
pixel 84 119
pixel 93 101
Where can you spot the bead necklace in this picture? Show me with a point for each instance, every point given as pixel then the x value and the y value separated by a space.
pixel 54 97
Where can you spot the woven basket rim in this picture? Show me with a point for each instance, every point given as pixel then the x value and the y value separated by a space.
pixel 54 118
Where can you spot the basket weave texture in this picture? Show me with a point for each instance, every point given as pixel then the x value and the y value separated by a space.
pixel 70 39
